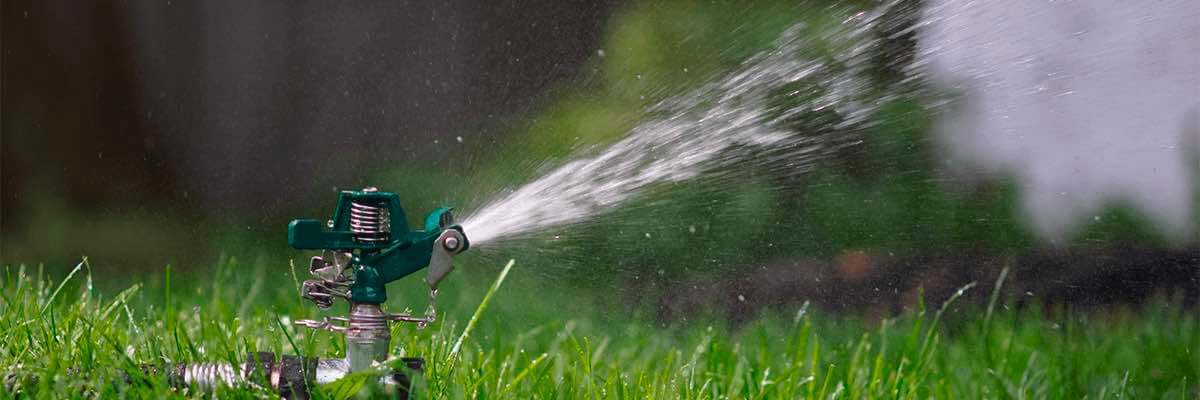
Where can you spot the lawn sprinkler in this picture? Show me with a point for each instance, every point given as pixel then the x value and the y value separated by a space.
pixel 365 246
pixel 369 245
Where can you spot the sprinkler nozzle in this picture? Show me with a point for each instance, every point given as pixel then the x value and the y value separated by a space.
pixel 451 244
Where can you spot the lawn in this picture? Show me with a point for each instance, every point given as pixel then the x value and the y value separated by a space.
pixel 72 336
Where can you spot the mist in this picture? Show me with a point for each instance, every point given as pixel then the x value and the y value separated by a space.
pixel 1087 103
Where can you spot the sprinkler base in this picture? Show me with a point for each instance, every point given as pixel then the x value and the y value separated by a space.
pixel 291 376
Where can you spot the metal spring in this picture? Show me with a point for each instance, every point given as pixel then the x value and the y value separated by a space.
pixel 369 222
pixel 211 375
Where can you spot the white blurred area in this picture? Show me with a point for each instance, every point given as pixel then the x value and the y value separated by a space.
pixel 1087 103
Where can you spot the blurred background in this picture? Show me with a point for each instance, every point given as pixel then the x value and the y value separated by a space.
pixel 1058 139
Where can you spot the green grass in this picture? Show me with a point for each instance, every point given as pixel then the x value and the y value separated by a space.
pixel 71 338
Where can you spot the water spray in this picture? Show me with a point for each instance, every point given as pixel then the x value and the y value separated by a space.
pixel 366 245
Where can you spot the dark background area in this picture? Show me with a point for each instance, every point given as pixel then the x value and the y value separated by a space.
pixel 150 123
pixel 239 107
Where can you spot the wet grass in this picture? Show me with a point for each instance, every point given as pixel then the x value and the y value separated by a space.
pixel 69 338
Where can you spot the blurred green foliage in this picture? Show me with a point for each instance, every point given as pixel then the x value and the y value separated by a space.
pixel 891 192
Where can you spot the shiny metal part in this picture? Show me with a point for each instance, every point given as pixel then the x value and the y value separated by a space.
pixel 370 221
pixel 332 266
pixel 330 370
pixel 325 324
pixel 367 336
pixel 440 262
pixel 367 332
pixel 211 375
pixel 288 375
pixel 322 293
pixel 332 270
pixel 451 243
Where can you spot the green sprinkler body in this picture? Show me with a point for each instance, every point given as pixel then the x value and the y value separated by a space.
pixel 372 228
pixel 365 246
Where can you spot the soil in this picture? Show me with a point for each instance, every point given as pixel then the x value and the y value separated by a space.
pixel 879 285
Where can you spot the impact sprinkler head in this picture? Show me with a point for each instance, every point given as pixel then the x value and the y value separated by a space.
pixel 369 244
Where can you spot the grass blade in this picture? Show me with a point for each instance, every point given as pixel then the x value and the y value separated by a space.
pixel 54 295
pixel 478 311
